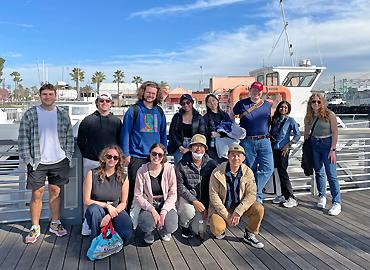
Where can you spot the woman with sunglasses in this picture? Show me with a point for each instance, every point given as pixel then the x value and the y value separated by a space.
pixel 155 196
pixel 212 119
pixel 105 194
pixel 282 125
pixel 184 125
pixel 322 124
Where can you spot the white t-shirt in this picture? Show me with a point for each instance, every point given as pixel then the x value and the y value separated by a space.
pixel 50 149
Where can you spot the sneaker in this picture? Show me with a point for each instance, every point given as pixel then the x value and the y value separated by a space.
pixel 321 202
pixel 85 229
pixel 221 236
pixel 251 239
pixel 33 235
pixel 291 202
pixel 149 238
pixel 58 229
pixel 278 199
pixel 166 237
pixel 186 232
pixel 335 209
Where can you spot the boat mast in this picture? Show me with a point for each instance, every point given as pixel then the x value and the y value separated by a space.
pixel 290 46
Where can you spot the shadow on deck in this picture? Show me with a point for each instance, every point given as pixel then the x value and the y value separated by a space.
pixel 297 238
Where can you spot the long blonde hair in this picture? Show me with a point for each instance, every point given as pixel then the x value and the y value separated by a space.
pixel 323 114
pixel 119 168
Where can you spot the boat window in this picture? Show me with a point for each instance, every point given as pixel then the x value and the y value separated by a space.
pixel 272 78
pixel 300 79
pixel 260 79
pixel 80 110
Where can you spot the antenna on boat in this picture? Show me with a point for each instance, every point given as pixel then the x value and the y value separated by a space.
pixel 290 46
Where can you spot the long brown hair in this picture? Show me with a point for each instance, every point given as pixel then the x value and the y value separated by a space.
pixel 164 159
pixel 323 114
pixel 141 90
pixel 119 168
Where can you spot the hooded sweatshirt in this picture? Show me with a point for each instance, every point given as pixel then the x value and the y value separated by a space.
pixel 96 132
pixel 149 128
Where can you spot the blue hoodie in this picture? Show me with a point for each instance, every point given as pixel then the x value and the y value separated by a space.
pixel 149 128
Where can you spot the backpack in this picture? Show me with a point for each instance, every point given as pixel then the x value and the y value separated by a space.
pixel 136 113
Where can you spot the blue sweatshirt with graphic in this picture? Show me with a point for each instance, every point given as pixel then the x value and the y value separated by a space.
pixel 149 128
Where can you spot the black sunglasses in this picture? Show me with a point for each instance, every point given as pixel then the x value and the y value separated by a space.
pixel 187 102
pixel 110 157
pixel 154 154
pixel 316 101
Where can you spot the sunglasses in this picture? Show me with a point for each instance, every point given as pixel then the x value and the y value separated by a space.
pixel 316 101
pixel 185 103
pixel 110 157
pixel 105 100
pixel 155 154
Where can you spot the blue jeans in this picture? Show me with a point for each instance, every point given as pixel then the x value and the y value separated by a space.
pixel 259 157
pixel 322 165
pixel 122 223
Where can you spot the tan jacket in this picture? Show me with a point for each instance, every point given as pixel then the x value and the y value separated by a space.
pixel 218 191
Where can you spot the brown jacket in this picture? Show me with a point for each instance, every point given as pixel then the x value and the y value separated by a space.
pixel 218 191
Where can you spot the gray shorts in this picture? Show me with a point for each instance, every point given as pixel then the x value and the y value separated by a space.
pixel 57 174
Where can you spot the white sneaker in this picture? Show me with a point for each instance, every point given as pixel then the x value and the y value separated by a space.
pixel 321 203
pixel 335 209
pixel 278 199
pixel 166 237
pixel 291 202
pixel 85 229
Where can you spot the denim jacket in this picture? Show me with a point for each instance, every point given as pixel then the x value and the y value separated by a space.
pixel 283 137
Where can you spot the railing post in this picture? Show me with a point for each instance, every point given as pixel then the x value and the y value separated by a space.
pixel 313 188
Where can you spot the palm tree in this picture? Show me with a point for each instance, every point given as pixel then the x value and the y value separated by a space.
pixel 163 84
pixel 136 80
pixel 78 76
pixel 2 61
pixel 97 78
pixel 118 78
pixel 16 78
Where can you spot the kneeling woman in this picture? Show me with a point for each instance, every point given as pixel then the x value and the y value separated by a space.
pixel 105 194
pixel 155 196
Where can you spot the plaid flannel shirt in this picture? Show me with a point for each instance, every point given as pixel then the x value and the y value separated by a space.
pixel 29 141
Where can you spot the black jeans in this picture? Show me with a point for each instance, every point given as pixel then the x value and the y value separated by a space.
pixel 133 167
pixel 281 164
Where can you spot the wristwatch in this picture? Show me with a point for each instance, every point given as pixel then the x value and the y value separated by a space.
pixel 333 149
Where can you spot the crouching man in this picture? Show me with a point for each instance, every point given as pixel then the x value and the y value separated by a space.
pixel 232 194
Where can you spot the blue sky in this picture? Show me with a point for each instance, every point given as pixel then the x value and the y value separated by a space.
pixel 169 40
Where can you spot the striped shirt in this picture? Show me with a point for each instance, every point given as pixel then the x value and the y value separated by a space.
pixel 29 140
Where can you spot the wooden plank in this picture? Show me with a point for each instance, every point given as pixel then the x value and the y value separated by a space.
pixel 299 237
pixel 84 262
pixel 145 254
pixel 11 237
pixel 72 257
pixel 17 248
pixel 56 261
pixel 4 230
pixel 31 251
pixel 131 255
pixel 102 264
pixel 117 261
pixel 174 254
pixel 187 252
pixel 316 238
pixel 43 255
pixel 160 256
pixel 204 256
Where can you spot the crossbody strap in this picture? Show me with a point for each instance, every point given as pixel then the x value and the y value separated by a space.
pixel 313 127
pixel 251 109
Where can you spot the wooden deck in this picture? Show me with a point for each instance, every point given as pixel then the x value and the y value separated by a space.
pixel 298 238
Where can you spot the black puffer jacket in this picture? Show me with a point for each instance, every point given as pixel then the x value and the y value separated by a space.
pixel 176 134
pixel 193 183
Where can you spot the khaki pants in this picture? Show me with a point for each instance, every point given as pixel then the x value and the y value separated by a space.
pixel 254 216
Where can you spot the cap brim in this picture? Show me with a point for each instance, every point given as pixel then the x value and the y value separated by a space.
pixel 199 143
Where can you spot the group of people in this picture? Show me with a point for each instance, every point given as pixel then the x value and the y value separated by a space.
pixel 200 188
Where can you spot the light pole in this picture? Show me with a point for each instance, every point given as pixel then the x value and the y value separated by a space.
pixel 201 78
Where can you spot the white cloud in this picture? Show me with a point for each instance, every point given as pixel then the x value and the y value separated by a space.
pixel 24 25
pixel 175 9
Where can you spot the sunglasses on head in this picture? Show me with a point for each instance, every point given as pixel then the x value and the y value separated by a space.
pixel 316 101
pixel 105 100
pixel 155 154
pixel 187 102
pixel 110 157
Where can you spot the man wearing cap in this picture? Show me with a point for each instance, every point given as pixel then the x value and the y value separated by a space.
pixel 232 194
pixel 143 125
pixel 95 132
pixel 184 124
pixel 255 117
pixel 193 173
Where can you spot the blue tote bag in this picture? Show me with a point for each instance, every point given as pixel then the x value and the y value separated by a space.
pixel 105 244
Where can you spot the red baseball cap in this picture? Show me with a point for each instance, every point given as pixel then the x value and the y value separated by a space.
pixel 257 85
